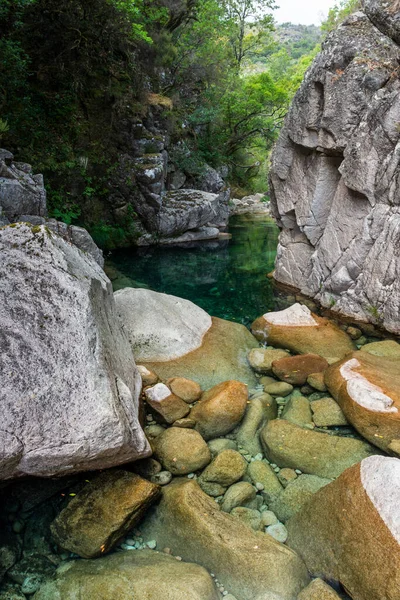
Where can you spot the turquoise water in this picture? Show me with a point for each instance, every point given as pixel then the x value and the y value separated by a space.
pixel 227 278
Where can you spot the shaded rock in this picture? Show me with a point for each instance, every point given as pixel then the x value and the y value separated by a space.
pixel 182 451
pixel 161 478
pixel 10 551
pixel 103 512
pixel 11 591
pixel 303 332
pixel 318 590
pixel 166 405
pixel 297 410
pixel 296 494
pixel 261 472
pixel 227 467
pixel 258 411
pixel 385 16
pixel 21 192
pixel 327 413
pixel 268 518
pixel 220 444
pixel 296 369
pixel 148 377
pixel 238 494
pixel 248 516
pixel 146 467
pixel 188 390
pixel 312 452
pixel 247 563
pixel 75 235
pixel 349 530
pixel 126 575
pixel 220 409
pixel 176 338
pixel 367 388
pixel 31 572
pixel 53 293
pixel 316 381
pixel 261 359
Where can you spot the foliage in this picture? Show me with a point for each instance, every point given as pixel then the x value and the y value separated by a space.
pixel 339 13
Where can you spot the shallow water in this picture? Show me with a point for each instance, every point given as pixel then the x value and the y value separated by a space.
pixel 227 278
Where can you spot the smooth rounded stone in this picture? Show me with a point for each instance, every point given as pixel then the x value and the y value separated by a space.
pixel 153 431
pixel 185 423
pixel 388 348
pixel 261 359
pixel 220 357
pixel 31 572
pixel 182 451
pixel 296 369
pixel 289 445
pixel 238 494
pixel 286 476
pixel 306 390
pixel 247 563
pixel 127 575
pixel 103 512
pixel 164 404
pixel 215 490
pixel 220 444
pixel 354 332
pixel 267 380
pixel 248 516
pixel 350 530
pixel 220 409
pixel 146 467
pixel 367 389
pixel 299 330
pixel 279 388
pixel 318 590
pixel 327 413
pixel 296 494
pixel 188 390
pixel 148 377
pixel 268 518
pixel 259 410
pixel 226 468
pixel 278 532
pixel 261 472
pixel 317 381
pixel 81 408
pixel 161 478
pixel 297 410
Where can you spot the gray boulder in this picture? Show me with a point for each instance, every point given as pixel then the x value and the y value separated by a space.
pixel 21 192
pixel 69 384
pixel 336 171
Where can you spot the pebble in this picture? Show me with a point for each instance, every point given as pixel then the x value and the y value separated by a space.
pixel 191 476
pixel 162 478
pixel 151 544
pixel 269 518
pixel 298 471
pixel 259 486
pixel 278 532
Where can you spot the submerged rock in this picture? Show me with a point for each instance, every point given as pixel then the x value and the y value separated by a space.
pixel 349 530
pixel 182 450
pixel 106 509
pixel 303 332
pixel 130 574
pixel 176 338
pixel 296 369
pixel 69 384
pixel 318 590
pixel 367 388
pixel 251 565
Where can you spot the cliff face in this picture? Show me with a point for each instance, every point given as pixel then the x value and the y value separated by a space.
pixel 336 168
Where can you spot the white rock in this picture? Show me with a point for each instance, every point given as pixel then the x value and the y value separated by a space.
pixel 297 314
pixel 364 392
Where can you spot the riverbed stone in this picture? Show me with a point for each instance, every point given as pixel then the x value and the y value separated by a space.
pixel 298 329
pixel 165 405
pixel 261 359
pixel 278 388
pixel 188 390
pixel 220 409
pixel 182 451
pixel 318 590
pixel 261 472
pixel 130 574
pixel 327 413
pixel 67 357
pixel 367 388
pixel 296 493
pixel 298 410
pixel 315 453
pixel 259 410
pixel 278 531
pixel 226 468
pixel 185 423
pixel 296 369
pixel 218 445
pixel 148 377
pixel 388 348
pixel 103 512
pixel 349 530
pixel 31 572
pixel 317 382
pixel 247 563
pixel 286 476
pixel 238 494
pixel 248 516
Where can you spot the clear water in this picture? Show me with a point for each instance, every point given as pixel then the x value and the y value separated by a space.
pixel 227 278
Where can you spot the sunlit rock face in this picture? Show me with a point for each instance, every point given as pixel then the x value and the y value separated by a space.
pixel 335 173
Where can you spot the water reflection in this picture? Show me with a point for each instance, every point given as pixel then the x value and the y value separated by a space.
pixel 227 278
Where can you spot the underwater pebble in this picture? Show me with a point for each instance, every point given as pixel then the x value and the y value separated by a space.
pixel 278 532
pixel 151 544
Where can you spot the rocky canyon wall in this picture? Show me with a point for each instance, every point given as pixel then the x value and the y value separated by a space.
pixel 336 168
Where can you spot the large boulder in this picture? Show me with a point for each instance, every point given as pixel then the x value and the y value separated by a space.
pixel 253 566
pixel 174 337
pixel 335 172
pixel 21 192
pixel 69 384
pixel 349 531
pixel 299 330
pixel 289 445
pixel 367 388
pixel 143 574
